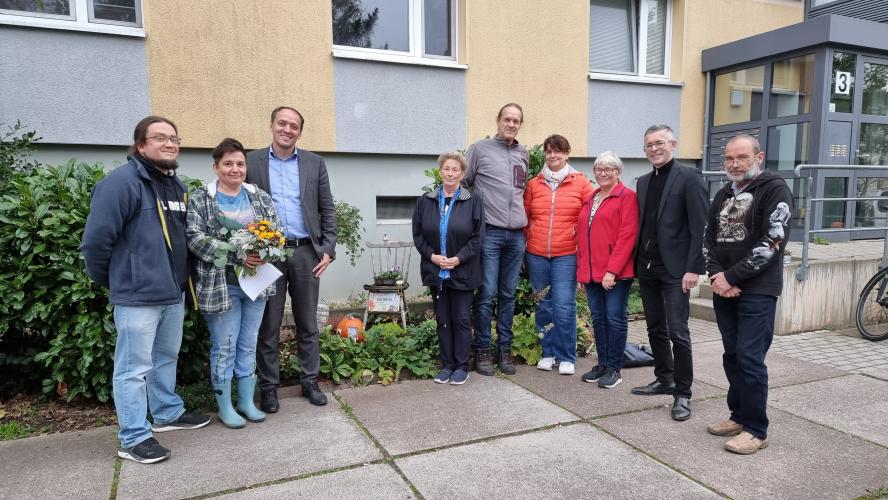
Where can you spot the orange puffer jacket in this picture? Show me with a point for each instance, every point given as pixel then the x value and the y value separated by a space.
pixel 552 215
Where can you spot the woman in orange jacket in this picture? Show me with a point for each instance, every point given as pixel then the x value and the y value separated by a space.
pixel 552 201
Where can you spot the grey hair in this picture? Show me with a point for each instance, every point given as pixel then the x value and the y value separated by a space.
pixel 455 155
pixel 756 147
pixel 659 128
pixel 609 159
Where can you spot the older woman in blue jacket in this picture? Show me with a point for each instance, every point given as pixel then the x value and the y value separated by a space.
pixel 448 225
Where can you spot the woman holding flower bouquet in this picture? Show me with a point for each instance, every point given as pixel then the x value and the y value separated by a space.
pixel 230 223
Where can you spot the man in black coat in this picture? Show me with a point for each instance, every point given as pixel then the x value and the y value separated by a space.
pixel 745 238
pixel 672 207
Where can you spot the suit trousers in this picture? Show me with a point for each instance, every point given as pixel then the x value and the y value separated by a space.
pixel 301 284
pixel 666 314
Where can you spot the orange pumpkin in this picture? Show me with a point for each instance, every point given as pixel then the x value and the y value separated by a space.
pixel 351 327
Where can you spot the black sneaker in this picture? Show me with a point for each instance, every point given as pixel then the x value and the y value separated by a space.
pixel 148 451
pixel 610 379
pixel 188 420
pixel 594 374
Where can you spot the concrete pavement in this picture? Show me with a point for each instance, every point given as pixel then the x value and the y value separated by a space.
pixel 532 435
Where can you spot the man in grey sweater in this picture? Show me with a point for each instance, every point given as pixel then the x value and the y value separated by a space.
pixel 498 173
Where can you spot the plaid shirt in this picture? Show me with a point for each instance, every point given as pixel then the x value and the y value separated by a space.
pixel 204 238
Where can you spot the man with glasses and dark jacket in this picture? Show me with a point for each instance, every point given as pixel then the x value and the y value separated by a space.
pixel 134 245
pixel 669 260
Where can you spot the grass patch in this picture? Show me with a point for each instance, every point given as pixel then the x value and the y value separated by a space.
pixel 14 430
pixel 874 494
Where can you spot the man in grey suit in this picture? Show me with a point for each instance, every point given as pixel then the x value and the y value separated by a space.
pixel 669 260
pixel 300 189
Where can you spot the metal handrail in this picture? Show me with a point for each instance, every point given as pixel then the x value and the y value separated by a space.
pixel 802 271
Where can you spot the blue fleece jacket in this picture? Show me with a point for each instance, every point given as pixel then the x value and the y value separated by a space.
pixel 123 245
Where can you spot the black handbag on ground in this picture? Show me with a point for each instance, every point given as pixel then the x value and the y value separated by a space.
pixel 637 355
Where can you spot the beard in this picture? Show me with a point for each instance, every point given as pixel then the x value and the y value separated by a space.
pixel 746 176
pixel 166 164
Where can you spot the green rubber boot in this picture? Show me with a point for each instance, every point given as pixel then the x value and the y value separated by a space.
pixel 246 386
pixel 227 415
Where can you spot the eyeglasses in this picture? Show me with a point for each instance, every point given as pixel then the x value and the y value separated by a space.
pixel 604 171
pixel 656 145
pixel 740 160
pixel 162 139
pixel 451 169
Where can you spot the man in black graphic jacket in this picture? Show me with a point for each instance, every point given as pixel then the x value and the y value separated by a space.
pixel 746 234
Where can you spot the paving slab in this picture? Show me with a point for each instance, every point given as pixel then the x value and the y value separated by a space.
pixel 299 439
pixel 877 372
pixel 804 459
pixel 71 465
pixel 782 370
pixel 420 414
pixel 575 461
pixel 368 482
pixel 854 404
pixel 588 400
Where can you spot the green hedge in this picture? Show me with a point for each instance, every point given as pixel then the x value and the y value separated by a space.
pixel 57 327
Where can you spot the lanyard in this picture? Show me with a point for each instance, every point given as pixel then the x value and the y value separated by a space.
pixel 445 209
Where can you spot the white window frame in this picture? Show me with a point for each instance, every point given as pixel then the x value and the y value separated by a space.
pixel 416 42
pixel 639 49
pixel 81 19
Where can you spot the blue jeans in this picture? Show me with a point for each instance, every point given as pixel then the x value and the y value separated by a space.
pixel 608 309
pixel 148 341
pixel 501 254
pixel 233 336
pixel 747 328
pixel 556 314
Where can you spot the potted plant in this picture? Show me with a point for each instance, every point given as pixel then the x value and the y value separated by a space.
pixel 389 277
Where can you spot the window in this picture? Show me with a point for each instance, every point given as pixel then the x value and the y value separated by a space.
pixel 842 88
pixel 875 89
pixel 738 96
pixel 630 37
pixel 107 16
pixel 787 146
pixel 395 30
pixel 395 209
pixel 792 84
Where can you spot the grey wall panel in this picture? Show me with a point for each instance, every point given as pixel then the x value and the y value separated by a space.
pixel 398 108
pixel 73 87
pixel 873 10
pixel 620 112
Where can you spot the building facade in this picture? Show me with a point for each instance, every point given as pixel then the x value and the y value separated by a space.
pixel 384 85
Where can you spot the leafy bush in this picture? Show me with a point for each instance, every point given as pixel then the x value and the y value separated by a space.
pixel 64 322
pixel 386 352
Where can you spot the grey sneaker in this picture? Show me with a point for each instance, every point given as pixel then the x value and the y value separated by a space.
pixel 148 451
pixel 610 379
pixel 187 420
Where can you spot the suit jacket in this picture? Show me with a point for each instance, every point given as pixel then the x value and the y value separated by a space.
pixel 681 219
pixel 314 186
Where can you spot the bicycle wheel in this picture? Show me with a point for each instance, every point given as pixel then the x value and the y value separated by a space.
pixel 872 308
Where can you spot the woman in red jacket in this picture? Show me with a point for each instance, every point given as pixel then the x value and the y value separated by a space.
pixel 552 201
pixel 608 224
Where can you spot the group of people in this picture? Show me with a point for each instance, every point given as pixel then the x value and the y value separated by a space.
pixel 154 245
pixel 487 220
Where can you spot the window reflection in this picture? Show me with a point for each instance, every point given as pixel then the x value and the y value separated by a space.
pixel 872 213
pixel 842 86
pixel 875 89
pixel 787 146
pixel 738 96
pixel 791 86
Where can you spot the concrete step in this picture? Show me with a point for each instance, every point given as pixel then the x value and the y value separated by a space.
pixel 702 309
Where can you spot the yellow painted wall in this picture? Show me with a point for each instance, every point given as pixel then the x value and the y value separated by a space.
pixel 532 53
pixel 218 69
pixel 701 24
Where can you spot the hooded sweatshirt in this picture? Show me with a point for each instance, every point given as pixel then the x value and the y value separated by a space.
pixel 746 234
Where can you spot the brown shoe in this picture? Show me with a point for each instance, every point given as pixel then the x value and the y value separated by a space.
pixel 726 428
pixel 746 444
